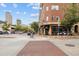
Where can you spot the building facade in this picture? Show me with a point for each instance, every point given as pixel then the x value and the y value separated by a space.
pixel 8 18
pixel 51 15
pixel 75 29
pixel 18 22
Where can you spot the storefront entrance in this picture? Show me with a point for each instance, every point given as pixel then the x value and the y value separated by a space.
pixel 76 29
pixel 46 29
pixel 52 30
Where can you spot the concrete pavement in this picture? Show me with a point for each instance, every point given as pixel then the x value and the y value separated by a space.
pixel 13 45
pixel 68 49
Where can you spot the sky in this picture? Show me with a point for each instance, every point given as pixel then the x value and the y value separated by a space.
pixel 26 12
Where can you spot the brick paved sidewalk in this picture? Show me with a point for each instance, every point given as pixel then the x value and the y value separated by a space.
pixel 40 48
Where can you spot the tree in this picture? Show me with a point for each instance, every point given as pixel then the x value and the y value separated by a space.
pixel 71 17
pixel 24 28
pixel 35 26
pixel 18 27
pixel 5 26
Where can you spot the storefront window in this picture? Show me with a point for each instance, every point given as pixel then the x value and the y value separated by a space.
pixel 57 18
pixel 52 17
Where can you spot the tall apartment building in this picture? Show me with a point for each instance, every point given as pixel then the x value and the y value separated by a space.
pixel 8 18
pixel 51 15
pixel 18 22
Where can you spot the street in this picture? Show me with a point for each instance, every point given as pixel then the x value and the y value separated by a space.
pixel 16 44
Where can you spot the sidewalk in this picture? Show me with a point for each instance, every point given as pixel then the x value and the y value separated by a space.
pixel 63 37
pixel 70 47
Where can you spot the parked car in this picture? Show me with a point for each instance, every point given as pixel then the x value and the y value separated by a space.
pixel 28 33
pixel 1 32
pixel 65 33
pixel 62 33
pixel 5 33
pixel 13 32
pixel 18 32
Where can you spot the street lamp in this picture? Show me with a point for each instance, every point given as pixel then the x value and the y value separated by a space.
pixel 58 24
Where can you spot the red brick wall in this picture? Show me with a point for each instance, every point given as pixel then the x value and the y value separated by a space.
pixel 50 13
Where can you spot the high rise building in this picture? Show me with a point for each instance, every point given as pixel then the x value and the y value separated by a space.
pixel 18 22
pixel 8 18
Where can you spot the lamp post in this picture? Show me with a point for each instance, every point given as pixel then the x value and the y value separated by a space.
pixel 58 25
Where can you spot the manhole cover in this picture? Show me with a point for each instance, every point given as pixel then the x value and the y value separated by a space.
pixel 70 45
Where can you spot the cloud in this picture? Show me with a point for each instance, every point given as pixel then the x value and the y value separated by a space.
pixel 15 5
pixel 3 5
pixel 7 11
pixel 34 5
pixel 24 12
pixel 29 4
pixel 35 14
pixel 17 12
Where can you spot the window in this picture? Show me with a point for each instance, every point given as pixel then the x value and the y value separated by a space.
pixel 47 8
pixel 43 8
pixel 52 17
pixel 54 7
pixel 47 18
pixel 57 18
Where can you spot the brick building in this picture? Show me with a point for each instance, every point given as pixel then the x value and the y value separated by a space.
pixel 51 15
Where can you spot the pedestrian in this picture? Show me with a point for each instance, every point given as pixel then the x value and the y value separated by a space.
pixel 31 35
